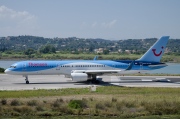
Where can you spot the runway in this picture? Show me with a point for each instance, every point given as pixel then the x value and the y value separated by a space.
pixel 17 82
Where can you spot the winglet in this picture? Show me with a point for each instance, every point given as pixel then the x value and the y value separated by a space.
pixel 95 58
pixel 130 66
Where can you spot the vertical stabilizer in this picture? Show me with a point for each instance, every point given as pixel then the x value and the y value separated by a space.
pixel 154 54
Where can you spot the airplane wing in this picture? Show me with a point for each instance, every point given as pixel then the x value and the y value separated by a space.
pixel 96 72
pixel 101 71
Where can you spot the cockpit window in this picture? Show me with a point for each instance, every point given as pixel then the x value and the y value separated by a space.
pixel 12 66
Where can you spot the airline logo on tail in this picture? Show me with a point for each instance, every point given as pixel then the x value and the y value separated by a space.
pixel 157 54
pixel 154 54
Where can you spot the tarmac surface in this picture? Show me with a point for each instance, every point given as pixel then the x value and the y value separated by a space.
pixel 17 82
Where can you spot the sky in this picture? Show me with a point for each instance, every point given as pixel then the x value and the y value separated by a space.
pixel 107 19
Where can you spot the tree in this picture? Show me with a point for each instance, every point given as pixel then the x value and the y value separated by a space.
pixel 47 49
pixel 29 51
pixel 106 52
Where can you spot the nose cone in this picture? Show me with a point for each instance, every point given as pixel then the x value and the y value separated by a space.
pixel 7 71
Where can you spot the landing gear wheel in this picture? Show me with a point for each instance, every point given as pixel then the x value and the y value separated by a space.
pixel 97 81
pixel 27 82
pixel 26 79
pixel 94 79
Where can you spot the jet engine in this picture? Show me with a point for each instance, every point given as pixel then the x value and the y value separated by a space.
pixel 79 76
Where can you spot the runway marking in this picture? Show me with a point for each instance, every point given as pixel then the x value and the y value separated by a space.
pixel 146 79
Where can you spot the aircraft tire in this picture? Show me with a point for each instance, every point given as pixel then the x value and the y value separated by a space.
pixel 95 81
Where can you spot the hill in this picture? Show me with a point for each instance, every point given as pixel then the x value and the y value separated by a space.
pixel 73 44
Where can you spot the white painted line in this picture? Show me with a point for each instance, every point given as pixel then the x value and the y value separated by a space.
pixel 146 79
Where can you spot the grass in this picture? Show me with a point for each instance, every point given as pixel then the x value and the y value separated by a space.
pixel 40 93
pixel 109 101
pixel 81 91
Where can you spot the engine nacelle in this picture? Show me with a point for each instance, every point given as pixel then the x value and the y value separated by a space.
pixel 79 76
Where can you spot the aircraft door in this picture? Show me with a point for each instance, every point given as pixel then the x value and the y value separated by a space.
pixel 114 66
pixel 24 67
pixel 58 67
pixel 141 65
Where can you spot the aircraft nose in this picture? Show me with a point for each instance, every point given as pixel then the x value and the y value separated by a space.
pixel 7 71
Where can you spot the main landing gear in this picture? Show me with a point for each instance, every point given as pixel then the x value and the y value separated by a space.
pixel 94 79
pixel 26 79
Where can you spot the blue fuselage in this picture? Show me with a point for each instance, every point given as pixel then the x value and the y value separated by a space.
pixel 67 66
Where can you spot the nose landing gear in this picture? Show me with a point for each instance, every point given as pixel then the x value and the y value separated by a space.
pixel 26 79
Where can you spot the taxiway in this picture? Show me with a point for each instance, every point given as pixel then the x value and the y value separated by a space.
pixel 16 82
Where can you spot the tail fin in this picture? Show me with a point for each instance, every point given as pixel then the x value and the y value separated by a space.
pixel 155 53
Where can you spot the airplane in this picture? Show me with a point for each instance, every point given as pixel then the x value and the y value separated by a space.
pixel 88 70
